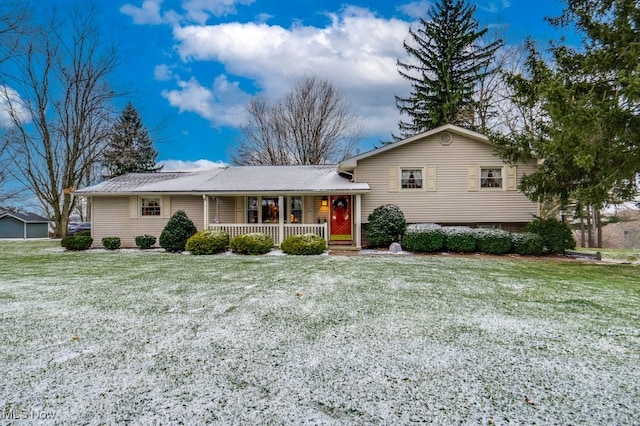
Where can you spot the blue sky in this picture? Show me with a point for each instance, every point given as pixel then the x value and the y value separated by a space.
pixel 192 65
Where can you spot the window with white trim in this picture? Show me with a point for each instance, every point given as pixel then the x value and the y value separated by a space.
pixel 150 206
pixel 491 177
pixel 412 178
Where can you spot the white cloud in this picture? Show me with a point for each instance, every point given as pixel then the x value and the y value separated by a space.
pixel 222 104
pixel 12 104
pixel 200 10
pixel 357 52
pixel 415 9
pixel 197 11
pixel 188 166
pixel 163 72
pixel 149 13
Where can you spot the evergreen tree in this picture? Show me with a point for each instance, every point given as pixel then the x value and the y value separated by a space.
pixel 449 60
pixel 587 127
pixel 130 149
pixel 586 101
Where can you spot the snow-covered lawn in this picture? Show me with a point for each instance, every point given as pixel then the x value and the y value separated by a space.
pixel 155 338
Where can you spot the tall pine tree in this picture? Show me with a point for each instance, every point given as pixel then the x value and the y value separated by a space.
pixel 448 61
pixel 586 101
pixel 130 149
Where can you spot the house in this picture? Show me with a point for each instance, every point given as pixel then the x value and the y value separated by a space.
pixel 447 175
pixel 23 225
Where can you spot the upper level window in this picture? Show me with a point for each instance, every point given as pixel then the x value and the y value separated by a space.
pixel 150 207
pixel 490 177
pixel 411 179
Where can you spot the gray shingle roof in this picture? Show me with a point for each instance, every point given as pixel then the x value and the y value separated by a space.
pixel 244 179
pixel 25 217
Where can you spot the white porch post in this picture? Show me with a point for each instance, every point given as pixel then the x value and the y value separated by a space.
pixel 358 222
pixel 205 199
pixel 281 209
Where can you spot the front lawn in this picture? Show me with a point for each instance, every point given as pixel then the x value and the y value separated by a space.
pixel 103 337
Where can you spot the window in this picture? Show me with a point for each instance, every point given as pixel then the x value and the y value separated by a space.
pixel 411 179
pixel 490 177
pixel 150 207
pixel 267 210
pixel 252 210
pixel 270 209
pixel 295 210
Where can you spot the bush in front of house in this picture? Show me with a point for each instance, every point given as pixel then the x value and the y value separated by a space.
pixel 145 241
pixel 493 241
pixel 111 243
pixel 208 242
pixel 178 230
pixel 423 238
pixel 77 242
pixel 385 225
pixel 85 233
pixel 527 244
pixel 254 243
pixel 556 235
pixel 306 244
pixel 459 239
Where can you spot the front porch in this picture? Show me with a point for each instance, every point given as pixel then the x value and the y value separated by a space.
pixel 333 217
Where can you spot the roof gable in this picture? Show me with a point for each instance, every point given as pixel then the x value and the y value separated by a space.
pixel 351 163
pixel 24 217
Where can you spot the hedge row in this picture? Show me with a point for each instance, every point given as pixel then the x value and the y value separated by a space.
pixel 431 237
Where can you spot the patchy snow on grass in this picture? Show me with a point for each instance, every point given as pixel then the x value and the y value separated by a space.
pixel 139 337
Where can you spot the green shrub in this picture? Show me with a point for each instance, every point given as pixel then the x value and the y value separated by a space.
pixel 556 236
pixel 145 241
pixel 85 233
pixel 493 241
pixel 175 234
pixel 254 243
pixel 527 244
pixel 304 244
pixel 423 237
pixel 208 242
pixel 386 224
pixel 459 239
pixel 111 243
pixel 77 242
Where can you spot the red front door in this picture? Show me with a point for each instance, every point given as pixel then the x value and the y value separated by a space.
pixel 341 224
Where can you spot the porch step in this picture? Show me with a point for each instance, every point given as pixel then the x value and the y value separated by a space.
pixel 342 247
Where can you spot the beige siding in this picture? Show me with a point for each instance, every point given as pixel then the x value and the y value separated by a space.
pixel 455 196
pixel 111 217
pixel 227 210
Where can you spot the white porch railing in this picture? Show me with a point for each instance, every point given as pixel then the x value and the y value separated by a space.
pixel 275 231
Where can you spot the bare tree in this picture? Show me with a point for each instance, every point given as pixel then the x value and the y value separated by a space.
pixel 58 97
pixel 311 125
pixel 12 17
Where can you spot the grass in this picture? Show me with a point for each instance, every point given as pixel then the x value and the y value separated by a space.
pixel 116 337
pixel 629 255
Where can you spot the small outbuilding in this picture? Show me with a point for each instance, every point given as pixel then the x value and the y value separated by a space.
pixel 23 225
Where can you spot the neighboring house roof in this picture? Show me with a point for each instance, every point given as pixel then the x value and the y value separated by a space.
pixel 25 217
pixel 351 163
pixel 244 179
